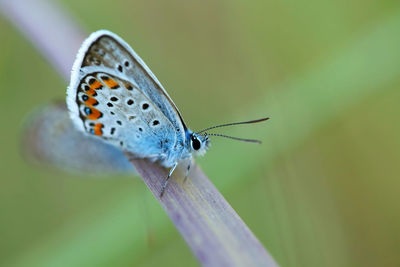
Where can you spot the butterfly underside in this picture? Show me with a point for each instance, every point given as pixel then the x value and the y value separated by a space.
pixel 113 95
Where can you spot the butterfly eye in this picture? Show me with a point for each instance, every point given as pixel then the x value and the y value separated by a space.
pixel 195 143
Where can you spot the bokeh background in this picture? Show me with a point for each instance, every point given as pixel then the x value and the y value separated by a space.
pixel 322 190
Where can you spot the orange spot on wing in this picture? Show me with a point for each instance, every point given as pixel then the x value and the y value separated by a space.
pixel 97 129
pixel 91 92
pixel 111 83
pixel 96 85
pixel 95 114
pixel 91 101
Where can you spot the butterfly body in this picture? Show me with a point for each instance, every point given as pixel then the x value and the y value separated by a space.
pixel 114 96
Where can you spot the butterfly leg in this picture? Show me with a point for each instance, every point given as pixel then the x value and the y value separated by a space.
pixel 188 169
pixel 166 180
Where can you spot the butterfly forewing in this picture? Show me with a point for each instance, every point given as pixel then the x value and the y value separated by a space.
pixel 108 50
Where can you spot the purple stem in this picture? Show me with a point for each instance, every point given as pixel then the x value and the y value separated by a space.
pixel 213 230
pixel 49 28
pixel 210 226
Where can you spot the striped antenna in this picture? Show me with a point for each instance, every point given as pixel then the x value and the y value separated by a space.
pixel 236 138
pixel 234 123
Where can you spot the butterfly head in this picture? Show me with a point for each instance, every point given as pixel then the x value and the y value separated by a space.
pixel 199 143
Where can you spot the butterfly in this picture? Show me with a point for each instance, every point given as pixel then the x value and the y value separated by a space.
pixel 114 96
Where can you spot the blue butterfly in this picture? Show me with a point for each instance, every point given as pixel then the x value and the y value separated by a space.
pixel 115 100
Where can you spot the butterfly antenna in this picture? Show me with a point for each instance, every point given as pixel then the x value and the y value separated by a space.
pixel 234 123
pixel 236 138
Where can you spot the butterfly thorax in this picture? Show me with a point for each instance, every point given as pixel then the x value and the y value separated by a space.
pixel 193 145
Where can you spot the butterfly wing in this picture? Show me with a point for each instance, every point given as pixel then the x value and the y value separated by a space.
pixel 105 49
pixel 110 105
pixel 107 68
pixel 50 138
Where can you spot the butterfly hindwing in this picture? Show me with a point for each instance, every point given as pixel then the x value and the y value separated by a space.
pixel 115 109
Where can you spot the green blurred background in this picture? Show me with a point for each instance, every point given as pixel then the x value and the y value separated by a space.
pixel 322 189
